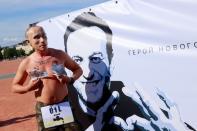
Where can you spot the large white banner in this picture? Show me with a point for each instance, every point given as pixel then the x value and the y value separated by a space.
pixel 151 44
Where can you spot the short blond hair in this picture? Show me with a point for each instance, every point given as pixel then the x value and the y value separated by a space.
pixel 30 27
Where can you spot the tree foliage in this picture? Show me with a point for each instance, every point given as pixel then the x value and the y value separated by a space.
pixel 1 56
pixel 12 53
pixel 20 53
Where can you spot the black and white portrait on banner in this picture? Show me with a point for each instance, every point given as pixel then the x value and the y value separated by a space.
pixel 99 103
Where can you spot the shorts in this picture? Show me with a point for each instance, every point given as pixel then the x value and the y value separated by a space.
pixel 74 126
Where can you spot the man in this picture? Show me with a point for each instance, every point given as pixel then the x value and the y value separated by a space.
pixel 48 80
pixel 103 104
pixel 94 88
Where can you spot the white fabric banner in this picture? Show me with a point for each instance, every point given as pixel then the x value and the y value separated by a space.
pixel 154 44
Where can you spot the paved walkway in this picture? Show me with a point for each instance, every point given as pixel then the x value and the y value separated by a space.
pixel 5 76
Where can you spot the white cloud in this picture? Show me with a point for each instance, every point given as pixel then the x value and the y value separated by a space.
pixel 16 15
pixel 7 41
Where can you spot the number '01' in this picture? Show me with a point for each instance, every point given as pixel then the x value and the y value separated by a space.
pixel 54 109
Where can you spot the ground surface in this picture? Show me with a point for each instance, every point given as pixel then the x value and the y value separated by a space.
pixel 16 110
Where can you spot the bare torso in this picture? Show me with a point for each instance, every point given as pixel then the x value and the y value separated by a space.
pixel 51 90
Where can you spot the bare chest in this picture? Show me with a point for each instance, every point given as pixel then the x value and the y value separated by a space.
pixel 42 67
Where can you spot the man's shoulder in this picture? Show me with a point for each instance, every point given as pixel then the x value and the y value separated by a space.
pixel 26 59
pixel 56 51
pixel 24 63
pixel 116 85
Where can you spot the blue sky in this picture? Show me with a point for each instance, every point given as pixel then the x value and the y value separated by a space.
pixel 16 15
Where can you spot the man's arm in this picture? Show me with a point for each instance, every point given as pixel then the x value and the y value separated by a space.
pixel 20 78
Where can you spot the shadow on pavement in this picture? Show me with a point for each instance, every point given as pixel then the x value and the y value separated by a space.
pixel 16 120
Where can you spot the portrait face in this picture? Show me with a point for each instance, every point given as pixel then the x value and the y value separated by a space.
pixel 87 47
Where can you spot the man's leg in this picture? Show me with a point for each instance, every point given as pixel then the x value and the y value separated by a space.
pixel 72 127
pixel 39 116
pixel 40 123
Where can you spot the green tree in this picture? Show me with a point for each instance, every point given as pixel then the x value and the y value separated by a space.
pixel 5 53
pixel 1 56
pixel 21 52
pixel 10 53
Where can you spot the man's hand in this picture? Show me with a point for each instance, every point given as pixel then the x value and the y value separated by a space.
pixel 157 121
pixel 63 79
pixel 34 84
pixel 60 73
